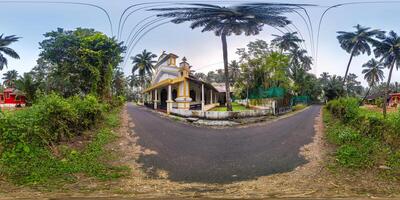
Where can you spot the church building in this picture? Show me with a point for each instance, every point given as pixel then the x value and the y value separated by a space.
pixel 174 87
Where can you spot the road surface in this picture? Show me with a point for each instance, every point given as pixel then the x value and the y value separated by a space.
pixel 201 154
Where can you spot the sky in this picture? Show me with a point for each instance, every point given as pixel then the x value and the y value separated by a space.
pixel 202 50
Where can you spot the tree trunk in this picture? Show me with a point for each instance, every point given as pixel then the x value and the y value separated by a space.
pixel 387 89
pixel 347 69
pixel 365 97
pixel 225 55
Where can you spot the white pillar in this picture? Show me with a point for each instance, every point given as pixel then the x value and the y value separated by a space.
pixel 169 101
pixel 155 99
pixel 202 97
pixel 211 97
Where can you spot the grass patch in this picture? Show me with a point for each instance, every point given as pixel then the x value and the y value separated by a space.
pixel 235 107
pixel 53 167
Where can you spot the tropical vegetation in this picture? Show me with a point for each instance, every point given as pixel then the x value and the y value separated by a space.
pixel 5 42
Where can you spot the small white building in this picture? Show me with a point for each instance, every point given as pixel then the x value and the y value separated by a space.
pixel 173 86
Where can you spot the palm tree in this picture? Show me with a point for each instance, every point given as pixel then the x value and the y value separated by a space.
pixel 4 43
pixel 389 51
pixel 357 42
pixel 287 41
pixel 234 70
pixel 133 81
pixel 299 59
pixel 10 77
pixel 143 63
pixel 373 74
pixel 225 21
pixel 27 85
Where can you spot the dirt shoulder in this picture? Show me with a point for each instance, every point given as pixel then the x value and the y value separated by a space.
pixel 315 179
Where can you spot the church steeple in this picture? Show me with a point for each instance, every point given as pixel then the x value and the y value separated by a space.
pixel 184 68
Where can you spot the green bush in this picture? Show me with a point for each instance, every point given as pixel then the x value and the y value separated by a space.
pixel 345 109
pixel 51 120
pixel 89 109
pixel 29 136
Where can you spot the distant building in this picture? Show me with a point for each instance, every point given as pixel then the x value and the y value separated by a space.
pixel 12 97
pixel 173 86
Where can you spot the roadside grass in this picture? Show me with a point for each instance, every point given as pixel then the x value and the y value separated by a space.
pixel 50 168
pixel 357 151
pixel 235 107
pixel 299 107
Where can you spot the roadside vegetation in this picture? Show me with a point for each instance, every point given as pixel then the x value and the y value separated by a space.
pixel 74 96
pixel 364 139
pixel 39 145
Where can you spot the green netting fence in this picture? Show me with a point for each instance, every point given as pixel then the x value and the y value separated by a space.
pixel 300 100
pixel 263 93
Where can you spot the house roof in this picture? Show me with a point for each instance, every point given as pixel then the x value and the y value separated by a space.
pixel 9 90
pixel 221 87
pixel 14 91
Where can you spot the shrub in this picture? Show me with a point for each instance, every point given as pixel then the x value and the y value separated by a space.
pixel 345 109
pixel 58 118
pixel 89 109
pixel 342 135
pixel 117 101
pixel 27 134
pixel 51 120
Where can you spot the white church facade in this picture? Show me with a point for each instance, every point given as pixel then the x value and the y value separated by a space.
pixel 173 87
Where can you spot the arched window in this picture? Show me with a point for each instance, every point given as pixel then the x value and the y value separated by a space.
pixel 193 95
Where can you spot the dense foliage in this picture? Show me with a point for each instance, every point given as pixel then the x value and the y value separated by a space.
pixel 30 139
pixel 78 62
pixel 365 138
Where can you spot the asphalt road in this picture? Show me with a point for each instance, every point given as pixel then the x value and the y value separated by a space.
pixel 197 154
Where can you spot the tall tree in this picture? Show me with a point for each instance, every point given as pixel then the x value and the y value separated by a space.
pixel 357 42
pixel 200 76
pixel 81 61
pixel 143 63
pixel 234 71
pixel 5 49
pixel 333 87
pixel 286 41
pixel 225 21
pixel 119 83
pixel 389 51
pixel 373 74
pixel 10 77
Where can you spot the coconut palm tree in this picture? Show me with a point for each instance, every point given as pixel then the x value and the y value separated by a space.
pixel 234 70
pixel 287 41
pixel 299 59
pixel 357 42
pixel 389 51
pixel 10 77
pixel 4 43
pixel 143 63
pixel 225 21
pixel 373 74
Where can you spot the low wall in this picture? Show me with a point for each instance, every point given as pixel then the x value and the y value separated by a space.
pixel 220 115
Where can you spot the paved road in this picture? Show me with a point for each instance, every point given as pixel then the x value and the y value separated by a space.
pixel 194 154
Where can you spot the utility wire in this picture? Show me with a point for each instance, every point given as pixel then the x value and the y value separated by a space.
pixel 69 3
